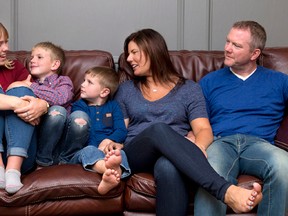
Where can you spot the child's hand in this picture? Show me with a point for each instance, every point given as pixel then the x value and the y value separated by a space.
pixel 104 143
pixel 110 146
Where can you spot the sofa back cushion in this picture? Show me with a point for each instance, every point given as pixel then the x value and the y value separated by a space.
pixel 77 62
pixel 196 64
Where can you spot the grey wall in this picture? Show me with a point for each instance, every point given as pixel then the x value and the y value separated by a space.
pixel 104 24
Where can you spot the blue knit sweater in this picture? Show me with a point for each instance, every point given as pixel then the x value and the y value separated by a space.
pixel 253 107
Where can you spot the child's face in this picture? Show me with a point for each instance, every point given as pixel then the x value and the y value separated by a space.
pixel 41 63
pixel 91 88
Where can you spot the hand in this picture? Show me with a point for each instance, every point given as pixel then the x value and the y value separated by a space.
pixel 190 136
pixel 35 109
pixel 109 146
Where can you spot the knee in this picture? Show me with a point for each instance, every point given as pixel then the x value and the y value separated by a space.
pixel 17 84
pixel 80 122
pixel 57 114
pixel 79 119
pixel 279 166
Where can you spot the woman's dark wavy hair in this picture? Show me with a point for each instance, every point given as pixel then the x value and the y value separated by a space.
pixel 153 46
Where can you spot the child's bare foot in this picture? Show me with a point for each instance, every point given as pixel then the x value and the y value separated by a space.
pixel 113 160
pixel 243 200
pixel 110 179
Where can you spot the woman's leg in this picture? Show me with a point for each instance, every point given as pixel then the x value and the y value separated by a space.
pixel 51 123
pixel 2 167
pixel 161 140
pixel 19 136
pixel 172 195
pixel 18 133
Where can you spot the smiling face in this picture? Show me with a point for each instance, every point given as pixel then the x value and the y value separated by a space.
pixel 3 48
pixel 138 60
pixel 41 63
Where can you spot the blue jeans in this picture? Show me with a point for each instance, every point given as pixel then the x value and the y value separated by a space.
pixel 20 137
pixel 50 131
pixel 89 155
pixel 241 154
pixel 75 136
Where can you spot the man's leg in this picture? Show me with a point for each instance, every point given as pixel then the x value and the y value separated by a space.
pixel 269 163
pixel 223 158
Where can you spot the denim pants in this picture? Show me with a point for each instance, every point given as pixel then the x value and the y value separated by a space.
pixel 50 132
pixel 89 155
pixel 242 154
pixel 74 149
pixel 20 137
pixel 75 136
pixel 161 142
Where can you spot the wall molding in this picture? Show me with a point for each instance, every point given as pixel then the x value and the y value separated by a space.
pixel 14 23
pixel 180 24
pixel 210 24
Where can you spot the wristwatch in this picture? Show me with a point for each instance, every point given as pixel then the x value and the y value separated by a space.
pixel 47 105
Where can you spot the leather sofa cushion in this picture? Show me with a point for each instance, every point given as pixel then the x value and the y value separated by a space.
pixel 56 183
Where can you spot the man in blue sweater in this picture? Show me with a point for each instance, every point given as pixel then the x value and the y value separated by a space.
pixel 246 104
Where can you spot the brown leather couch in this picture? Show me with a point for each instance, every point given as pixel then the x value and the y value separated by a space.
pixel 69 190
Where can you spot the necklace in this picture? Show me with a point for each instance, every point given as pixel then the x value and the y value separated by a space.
pixel 154 90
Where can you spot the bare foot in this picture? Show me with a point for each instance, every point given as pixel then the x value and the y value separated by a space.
pixel 110 179
pixel 243 200
pixel 113 160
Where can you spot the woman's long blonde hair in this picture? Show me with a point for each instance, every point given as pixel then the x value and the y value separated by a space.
pixel 3 31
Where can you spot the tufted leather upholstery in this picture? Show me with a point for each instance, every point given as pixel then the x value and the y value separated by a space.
pixel 69 190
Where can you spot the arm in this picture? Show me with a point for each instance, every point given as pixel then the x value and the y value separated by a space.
pixel 107 145
pixel 36 108
pixel 11 102
pixel 203 133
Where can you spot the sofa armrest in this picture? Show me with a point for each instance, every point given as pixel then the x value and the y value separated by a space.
pixel 281 139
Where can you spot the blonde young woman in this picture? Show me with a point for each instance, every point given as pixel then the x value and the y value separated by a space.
pixel 17 143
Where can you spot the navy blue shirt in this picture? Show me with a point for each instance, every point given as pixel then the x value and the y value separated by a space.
pixel 178 108
pixel 106 121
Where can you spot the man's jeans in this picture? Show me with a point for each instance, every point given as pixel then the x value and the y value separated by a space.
pixel 239 154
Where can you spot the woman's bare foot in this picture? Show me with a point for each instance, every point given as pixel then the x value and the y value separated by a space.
pixel 241 199
pixel 113 160
pixel 110 179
